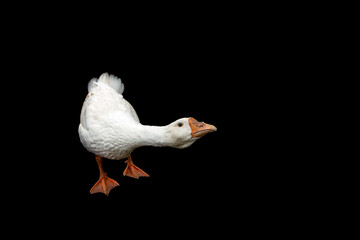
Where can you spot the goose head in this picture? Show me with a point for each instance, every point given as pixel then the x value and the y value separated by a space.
pixel 185 131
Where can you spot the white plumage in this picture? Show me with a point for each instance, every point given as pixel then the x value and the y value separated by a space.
pixel 109 127
pixel 107 120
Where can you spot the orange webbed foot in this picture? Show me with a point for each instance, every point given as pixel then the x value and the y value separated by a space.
pixel 133 171
pixel 104 185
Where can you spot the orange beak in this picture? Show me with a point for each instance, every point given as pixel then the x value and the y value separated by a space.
pixel 200 129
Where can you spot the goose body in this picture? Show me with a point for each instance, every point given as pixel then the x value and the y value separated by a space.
pixel 110 128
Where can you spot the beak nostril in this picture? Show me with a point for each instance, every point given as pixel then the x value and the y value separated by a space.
pixel 199 129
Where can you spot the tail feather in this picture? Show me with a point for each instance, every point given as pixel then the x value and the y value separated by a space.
pixel 110 80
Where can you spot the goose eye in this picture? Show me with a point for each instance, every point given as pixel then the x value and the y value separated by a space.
pixel 180 124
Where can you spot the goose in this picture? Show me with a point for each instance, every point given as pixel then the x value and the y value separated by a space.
pixel 110 128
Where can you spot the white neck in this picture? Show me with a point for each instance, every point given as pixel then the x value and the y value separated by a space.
pixel 153 136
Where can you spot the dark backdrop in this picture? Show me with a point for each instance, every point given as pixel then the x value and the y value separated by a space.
pixel 162 85
pixel 223 74
pixel 228 170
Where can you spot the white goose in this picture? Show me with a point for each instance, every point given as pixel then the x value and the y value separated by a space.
pixel 110 128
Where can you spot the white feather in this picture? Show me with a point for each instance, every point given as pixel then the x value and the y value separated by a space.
pixel 110 80
pixel 109 126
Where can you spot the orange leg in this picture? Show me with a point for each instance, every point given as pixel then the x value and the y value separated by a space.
pixel 133 171
pixel 105 184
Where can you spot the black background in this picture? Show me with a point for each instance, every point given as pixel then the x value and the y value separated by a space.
pixel 229 71
pixel 226 172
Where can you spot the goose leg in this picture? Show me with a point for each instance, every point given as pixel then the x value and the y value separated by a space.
pixel 104 184
pixel 133 171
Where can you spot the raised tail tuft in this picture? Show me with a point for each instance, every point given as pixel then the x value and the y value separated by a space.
pixel 110 80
